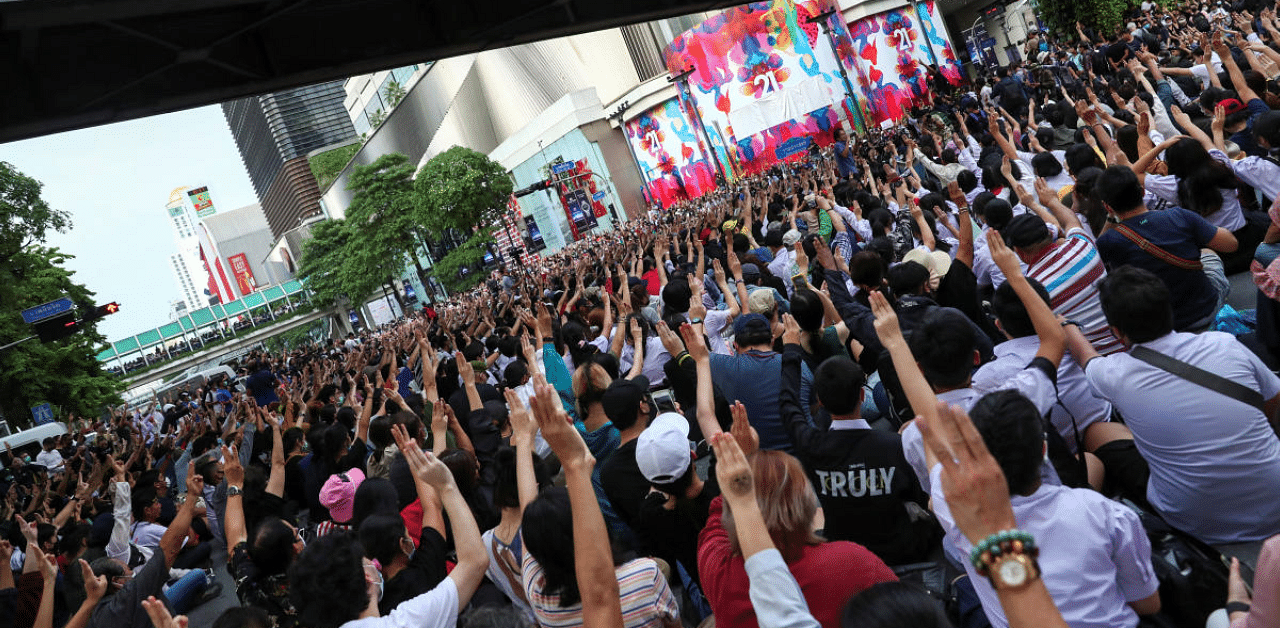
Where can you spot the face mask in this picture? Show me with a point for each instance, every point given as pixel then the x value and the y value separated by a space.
pixel 412 548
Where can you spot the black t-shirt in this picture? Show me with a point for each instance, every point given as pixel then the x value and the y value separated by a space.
pixel 426 569
pixel 672 535
pixel 624 484
pixel 862 478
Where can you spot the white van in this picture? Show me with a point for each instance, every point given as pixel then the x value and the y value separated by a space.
pixel 28 441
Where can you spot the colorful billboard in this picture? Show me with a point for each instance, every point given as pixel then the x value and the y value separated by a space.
pixel 762 74
pixel 201 202
pixel 667 147
pixel 243 273
pixel 889 57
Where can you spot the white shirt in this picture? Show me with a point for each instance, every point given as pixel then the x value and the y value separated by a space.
pixel 51 460
pixel 1229 217
pixel 1094 554
pixel 1261 173
pixel 1215 461
pixel 781 266
pixel 1076 398
pixel 437 608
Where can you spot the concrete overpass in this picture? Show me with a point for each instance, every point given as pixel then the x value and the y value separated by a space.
pixel 245 339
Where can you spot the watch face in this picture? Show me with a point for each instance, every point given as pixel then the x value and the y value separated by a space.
pixel 1013 573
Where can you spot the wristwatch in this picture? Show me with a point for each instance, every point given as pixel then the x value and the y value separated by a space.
pixel 1012 571
pixel 232 491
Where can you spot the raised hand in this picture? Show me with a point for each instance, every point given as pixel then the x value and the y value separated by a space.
pixel 886 323
pixel 1004 258
pixel 733 470
pixel 746 436
pixel 232 470
pixel 95 587
pixel 159 614
pixel 972 481
pixel 558 430
pixel 523 425
pixel 424 465
pixel 694 343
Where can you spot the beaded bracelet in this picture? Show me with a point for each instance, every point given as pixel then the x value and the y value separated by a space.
pixel 1015 541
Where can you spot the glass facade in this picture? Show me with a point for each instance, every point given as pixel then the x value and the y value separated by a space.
pixel 545 206
pixel 378 101
pixel 273 129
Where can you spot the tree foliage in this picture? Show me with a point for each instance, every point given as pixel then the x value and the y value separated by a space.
pixel 393 94
pixel 461 189
pixel 27 218
pixel 467 255
pixel 328 165
pixel 1103 16
pixel 64 373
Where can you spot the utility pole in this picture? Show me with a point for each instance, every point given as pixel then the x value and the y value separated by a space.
pixel 821 21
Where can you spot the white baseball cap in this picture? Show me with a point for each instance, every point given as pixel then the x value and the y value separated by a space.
pixel 662 451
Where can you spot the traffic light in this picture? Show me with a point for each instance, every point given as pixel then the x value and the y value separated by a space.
pixel 101 311
pixel 539 185
pixel 57 327
pixel 66 324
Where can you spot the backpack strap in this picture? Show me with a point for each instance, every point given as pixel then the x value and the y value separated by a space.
pixel 1151 249
pixel 506 562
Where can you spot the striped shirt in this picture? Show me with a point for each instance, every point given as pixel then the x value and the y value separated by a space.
pixel 1070 271
pixel 647 601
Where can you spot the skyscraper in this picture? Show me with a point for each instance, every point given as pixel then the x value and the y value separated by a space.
pixel 184 217
pixel 274 133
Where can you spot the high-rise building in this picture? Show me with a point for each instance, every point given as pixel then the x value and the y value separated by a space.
pixel 368 95
pixel 185 209
pixel 274 133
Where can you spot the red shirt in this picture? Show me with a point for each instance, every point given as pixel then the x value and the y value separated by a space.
pixel 828 574
pixel 654 282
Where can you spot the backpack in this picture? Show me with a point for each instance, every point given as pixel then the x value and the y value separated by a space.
pixel 1193 577
pixel 1011 95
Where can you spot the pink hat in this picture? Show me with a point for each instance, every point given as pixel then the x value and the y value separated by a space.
pixel 339 494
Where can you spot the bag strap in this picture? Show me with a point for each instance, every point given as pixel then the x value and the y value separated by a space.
pixel 1201 377
pixel 505 558
pixel 1154 251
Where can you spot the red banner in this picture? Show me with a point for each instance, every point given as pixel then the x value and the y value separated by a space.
pixel 243 273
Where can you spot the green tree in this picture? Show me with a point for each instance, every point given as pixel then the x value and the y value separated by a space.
pixel 1103 16
pixel 328 165
pixel 393 94
pixel 64 373
pixel 335 266
pixel 461 193
pixel 383 212
pixel 27 217
pixel 461 189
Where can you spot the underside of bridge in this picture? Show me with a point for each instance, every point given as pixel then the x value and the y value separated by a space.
pixel 69 64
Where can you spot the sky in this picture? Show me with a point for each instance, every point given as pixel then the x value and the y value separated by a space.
pixel 114 181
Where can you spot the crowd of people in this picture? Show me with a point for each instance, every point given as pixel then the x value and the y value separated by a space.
pixel 959 372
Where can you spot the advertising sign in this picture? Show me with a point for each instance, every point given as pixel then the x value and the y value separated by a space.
pixel 243 273
pixel 535 235
pixel 201 202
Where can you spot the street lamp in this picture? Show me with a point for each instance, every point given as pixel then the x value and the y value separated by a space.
pixel 821 20
pixel 682 82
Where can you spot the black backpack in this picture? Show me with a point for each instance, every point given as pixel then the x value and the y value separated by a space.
pixel 1192 575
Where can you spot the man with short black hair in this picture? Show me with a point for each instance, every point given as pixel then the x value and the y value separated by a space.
pixel 753 375
pixel 868 491
pixel 1214 458
pixel 1168 243
pixel 619 479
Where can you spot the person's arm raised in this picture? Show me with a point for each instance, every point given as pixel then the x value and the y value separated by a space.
pixel 233 524
pixel 1052 342
pixel 473 560
pixel 523 430
pixel 95 587
pixel 592 559
pixel 919 394
pixel 175 535
pixel 978 498
pixel 706 411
